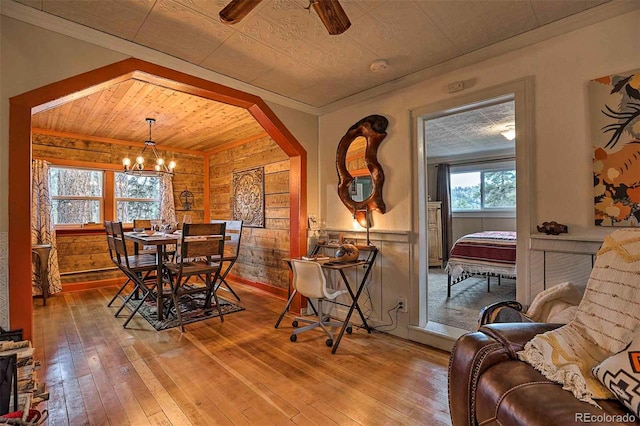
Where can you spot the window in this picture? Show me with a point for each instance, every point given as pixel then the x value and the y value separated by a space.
pixel 137 197
pixel 76 194
pixel 483 189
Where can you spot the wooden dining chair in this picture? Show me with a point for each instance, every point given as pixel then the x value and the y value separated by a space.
pixel 233 235
pixel 141 223
pixel 144 224
pixel 108 227
pixel 138 268
pixel 199 252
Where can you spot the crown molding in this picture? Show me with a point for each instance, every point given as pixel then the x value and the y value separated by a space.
pixel 546 32
pixel 50 22
pixel 62 26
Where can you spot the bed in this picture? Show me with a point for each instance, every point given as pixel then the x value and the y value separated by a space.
pixel 487 253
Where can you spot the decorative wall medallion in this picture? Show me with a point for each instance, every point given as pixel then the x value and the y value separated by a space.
pixel 248 197
pixel 615 129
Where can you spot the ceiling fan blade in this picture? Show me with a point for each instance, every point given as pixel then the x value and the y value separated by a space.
pixel 235 11
pixel 332 16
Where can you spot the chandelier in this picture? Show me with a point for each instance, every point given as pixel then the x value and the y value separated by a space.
pixel 160 167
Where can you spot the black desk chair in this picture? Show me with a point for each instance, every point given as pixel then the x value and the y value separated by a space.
pixel 233 230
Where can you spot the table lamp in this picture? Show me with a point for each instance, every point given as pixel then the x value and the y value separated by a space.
pixel 363 218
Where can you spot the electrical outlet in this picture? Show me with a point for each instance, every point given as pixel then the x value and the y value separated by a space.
pixel 402 304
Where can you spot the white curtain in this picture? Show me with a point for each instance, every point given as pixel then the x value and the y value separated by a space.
pixel 167 203
pixel 42 229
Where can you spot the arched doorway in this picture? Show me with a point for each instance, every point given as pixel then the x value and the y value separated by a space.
pixel 24 105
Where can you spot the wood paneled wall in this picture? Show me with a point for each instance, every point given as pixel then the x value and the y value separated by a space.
pixel 82 252
pixel 262 249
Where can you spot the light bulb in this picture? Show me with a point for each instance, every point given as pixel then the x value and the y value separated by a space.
pixel 160 161
pixel 140 159
pixel 157 167
pixel 172 165
pixel 509 134
pixel 126 162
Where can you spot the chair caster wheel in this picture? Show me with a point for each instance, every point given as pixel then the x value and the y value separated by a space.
pixel 329 342
pixel 294 324
pixel 293 338
pixel 349 330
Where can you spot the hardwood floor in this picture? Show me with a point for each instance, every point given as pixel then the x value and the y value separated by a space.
pixel 239 372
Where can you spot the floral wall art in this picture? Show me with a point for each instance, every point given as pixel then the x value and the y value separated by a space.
pixel 615 117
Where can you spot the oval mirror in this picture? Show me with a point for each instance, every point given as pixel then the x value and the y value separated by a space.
pixel 360 175
pixel 362 184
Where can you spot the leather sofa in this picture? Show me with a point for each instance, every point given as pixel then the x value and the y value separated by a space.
pixel 488 385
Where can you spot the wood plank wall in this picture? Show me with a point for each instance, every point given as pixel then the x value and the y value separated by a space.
pixel 262 249
pixel 82 252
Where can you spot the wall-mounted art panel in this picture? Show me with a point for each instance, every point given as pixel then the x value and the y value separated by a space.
pixel 614 101
pixel 248 197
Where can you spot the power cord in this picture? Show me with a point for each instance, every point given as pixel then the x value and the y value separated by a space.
pixel 394 321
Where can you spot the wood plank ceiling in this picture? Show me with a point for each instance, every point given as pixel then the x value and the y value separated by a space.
pixel 183 121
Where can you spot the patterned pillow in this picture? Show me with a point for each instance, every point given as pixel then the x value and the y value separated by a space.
pixel 620 373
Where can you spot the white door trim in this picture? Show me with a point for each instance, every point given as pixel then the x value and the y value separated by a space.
pixel 522 90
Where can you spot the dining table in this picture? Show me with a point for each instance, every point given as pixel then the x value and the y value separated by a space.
pixel 160 240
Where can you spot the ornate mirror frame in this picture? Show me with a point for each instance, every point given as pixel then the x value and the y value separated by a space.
pixel 372 128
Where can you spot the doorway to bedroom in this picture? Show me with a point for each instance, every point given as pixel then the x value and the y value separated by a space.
pixel 471 205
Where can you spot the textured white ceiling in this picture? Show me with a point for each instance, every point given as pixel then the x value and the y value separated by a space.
pixel 284 48
pixel 476 131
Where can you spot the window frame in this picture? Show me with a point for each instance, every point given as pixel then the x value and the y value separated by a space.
pixel 100 199
pixel 108 195
pixel 116 199
pixel 482 168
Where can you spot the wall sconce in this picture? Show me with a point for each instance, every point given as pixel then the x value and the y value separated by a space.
pixel 362 218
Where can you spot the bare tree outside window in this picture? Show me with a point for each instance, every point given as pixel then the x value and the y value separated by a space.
pixel 76 195
pixel 137 197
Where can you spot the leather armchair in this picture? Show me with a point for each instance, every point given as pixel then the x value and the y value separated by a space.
pixel 488 385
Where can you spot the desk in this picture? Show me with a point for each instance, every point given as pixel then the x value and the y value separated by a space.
pixel 160 241
pixel 331 264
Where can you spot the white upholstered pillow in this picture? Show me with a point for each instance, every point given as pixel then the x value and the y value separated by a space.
pixel 620 373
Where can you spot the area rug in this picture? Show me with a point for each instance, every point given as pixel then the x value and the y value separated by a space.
pixel 467 298
pixel 191 306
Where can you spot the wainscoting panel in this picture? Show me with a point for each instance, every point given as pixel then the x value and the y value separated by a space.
pixel 556 259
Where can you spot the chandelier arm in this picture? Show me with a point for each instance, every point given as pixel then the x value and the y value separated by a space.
pixel 160 168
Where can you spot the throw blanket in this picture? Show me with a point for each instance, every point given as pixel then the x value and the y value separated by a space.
pixel 557 304
pixel 606 319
